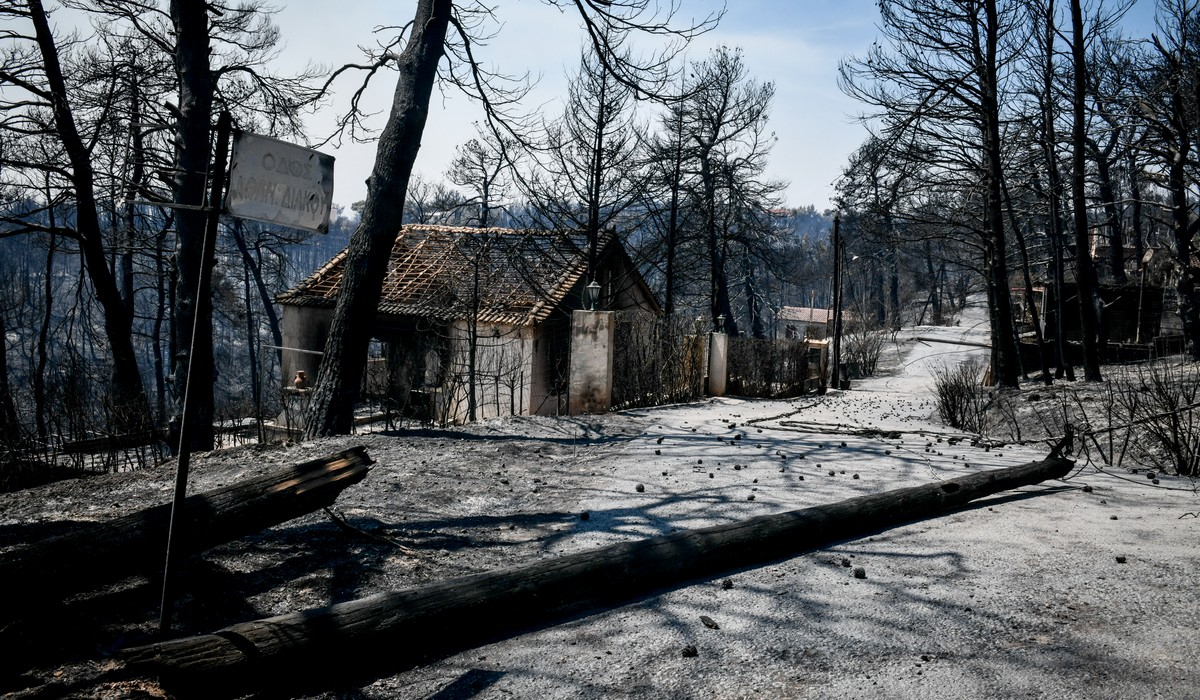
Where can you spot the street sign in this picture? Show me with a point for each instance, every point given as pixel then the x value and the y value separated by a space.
pixel 279 183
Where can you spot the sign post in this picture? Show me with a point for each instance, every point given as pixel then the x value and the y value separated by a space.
pixel 224 124
pixel 279 183
pixel 271 181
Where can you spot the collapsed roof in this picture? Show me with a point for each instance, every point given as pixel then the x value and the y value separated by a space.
pixel 515 276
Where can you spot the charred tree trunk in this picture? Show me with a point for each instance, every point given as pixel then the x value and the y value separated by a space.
pixel 162 306
pixel 473 336
pixel 10 428
pixel 1005 356
pixel 260 285
pixel 1112 215
pixel 1177 134
pixel 835 378
pixel 193 310
pixel 127 396
pixel 935 279
pixel 1035 318
pixel 331 410
pixel 1185 285
pixel 753 302
pixel 252 343
pixel 1135 208
pixel 596 180
pixel 252 269
pixel 1053 194
pixel 893 270
pixel 724 300
pixel 137 173
pixel 134 544
pixel 719 304
pixel 676 184
pixel 43 354
pixel 1085 274
pixel 391 631
pixel 883 283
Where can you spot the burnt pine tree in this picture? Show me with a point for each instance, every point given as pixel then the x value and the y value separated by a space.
pixel 667 155
pixel 1085 273
pixel 193 352
pixel 1110 91
pixel 606 23
pixel 248 37
pixel 480 167
pixel 331 410
pixel 41 118
pixel 589 174
pixel 1047 108
pixel 1170 108
pixel 938 81
pixel 726 114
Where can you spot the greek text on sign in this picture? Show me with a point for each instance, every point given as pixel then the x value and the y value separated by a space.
pixel 279 183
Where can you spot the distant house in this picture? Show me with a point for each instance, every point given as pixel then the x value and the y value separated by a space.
pixel 461 306
pixel 803 322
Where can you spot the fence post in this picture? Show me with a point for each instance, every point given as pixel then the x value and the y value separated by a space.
pixel 591 379
pixel 718 363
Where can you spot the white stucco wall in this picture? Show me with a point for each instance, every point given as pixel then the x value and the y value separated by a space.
pixel 504 376
pixel 591 361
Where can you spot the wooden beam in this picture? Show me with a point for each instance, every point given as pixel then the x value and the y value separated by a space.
pixel 134 544
pixel 388 632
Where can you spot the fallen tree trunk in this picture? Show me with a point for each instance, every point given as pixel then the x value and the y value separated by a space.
pixel 968 343
pixel 388 632
pixel 136 543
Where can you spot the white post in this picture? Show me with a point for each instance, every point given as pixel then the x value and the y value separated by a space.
pixel 718 363
pixel 591 361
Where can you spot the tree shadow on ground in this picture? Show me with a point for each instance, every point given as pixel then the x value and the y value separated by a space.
pixel 586 435
pixel 209 595
pixel 468 685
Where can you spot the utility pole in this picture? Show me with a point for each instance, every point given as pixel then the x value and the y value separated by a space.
pixel 837 302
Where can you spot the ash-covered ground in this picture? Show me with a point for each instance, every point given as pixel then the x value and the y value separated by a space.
pixel 1054 591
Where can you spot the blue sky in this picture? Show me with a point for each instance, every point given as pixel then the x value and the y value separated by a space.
pixel 794 43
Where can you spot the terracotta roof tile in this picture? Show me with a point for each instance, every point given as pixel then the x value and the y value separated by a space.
pixel 522 275
pixel 806 314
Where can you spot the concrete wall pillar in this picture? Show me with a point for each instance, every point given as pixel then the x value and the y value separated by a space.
pixel 718 363
pixel 591 376
pixel 304 329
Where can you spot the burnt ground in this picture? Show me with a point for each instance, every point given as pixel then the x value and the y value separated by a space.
pixel 437 504
pixel 1054 591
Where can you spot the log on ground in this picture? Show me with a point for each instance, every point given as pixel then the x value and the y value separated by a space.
pixel 362 639
pixel 947 341
pixel 136 544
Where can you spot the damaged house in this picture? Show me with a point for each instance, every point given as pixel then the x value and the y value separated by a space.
pixel 1137 321
pixel 473 323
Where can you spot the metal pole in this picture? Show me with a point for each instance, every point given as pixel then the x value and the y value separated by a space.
pixel 224 126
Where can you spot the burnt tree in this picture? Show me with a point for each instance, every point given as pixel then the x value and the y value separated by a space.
pixel 606 23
